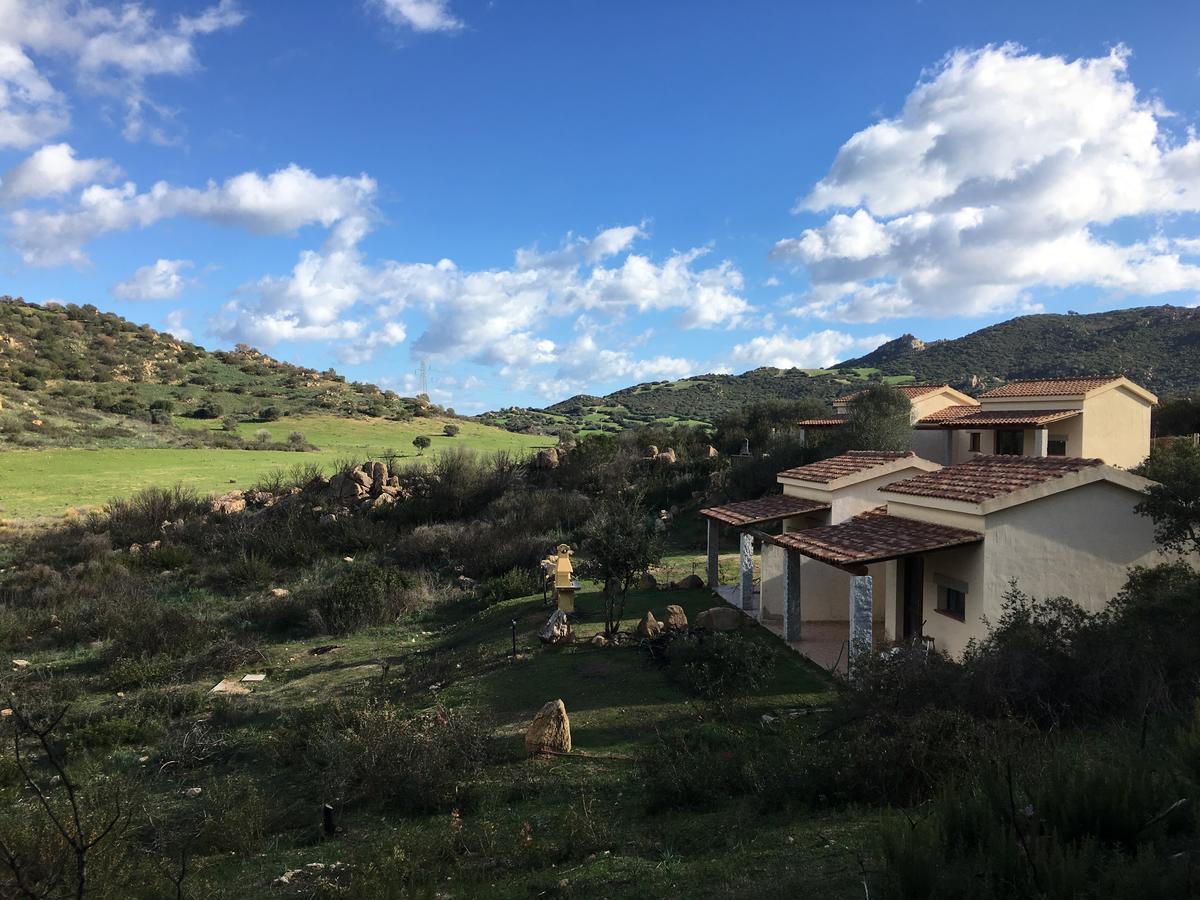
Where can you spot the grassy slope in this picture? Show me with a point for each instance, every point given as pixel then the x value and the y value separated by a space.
pixel 42 482
pixel 618 703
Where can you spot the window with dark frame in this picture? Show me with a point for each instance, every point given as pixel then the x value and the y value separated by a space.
pixel 1056 445
pixel 954 602
pixel 976 441
pixel 1010 442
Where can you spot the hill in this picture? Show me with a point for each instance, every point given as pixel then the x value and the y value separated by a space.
pixel 1157 346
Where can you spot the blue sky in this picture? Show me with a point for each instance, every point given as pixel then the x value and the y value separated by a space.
pixel 541 199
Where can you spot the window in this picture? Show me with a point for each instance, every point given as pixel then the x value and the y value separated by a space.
pixel 951 597
pixel 976 441
pixel 1056 445
pixel 1010 443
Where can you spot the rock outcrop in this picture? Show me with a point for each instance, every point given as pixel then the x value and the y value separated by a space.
pixel 674 618
pixel 691 582
pixel 557 630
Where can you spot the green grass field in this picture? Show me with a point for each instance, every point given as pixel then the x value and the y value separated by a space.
pixel 49 482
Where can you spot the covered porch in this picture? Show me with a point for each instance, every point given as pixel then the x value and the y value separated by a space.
pixel 834 591
pixel 750 518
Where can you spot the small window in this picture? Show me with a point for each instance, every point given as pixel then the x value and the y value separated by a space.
pixel 976 441
pixel 1056 445
pixel 953 602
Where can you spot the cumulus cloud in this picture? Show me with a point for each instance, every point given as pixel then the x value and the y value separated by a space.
pixel 997 178
pixel 53 171
pixel 112 49
pixel 281 202
pixel 811 351
pixel 162 280
pixel 495 317
pixel 583 362
pixel 174 325
pixel 420 15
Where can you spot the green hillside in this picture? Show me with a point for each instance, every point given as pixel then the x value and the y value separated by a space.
pixel 1157 346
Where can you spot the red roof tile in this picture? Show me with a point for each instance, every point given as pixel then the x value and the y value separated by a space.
pixel 1008 418
pixel 851 463
pixel 874 537
pixel 766 509
pixel 826 422
pixel 947 413
pixel 986 477
pixel 911 391
pixel 1050 387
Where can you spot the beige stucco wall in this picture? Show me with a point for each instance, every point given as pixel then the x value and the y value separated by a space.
pixel 850 500
pixel 771 581
pixel 931 403
pixel 1116 428
pixel 1005 404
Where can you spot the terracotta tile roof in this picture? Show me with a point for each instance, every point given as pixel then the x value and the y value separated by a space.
pixel 1050 387
pixel 836 467
pixel 947 413
pixel 911 391
pixel 874 537
pixel 766 509
pixel 986 477
pixel 826 422
pixel 1009 418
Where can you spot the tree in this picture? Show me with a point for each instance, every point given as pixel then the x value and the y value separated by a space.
pixel 880 418
pixel 450 429
pixel 619 546
pixel 270 414
pixel 1173 502
pixel 229 423
pixel 421 442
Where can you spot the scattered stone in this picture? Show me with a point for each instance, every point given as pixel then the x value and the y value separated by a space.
pixel 20 664
pixel 711 452
pixel 229 686
pixel 279 593
pixel 691 582
pixel 649 628
pixel 192 792
pixel 652 451
pixel 463 583
pixel 228 504
pixel 347 559
pixel 546 459
pixel 550 730
pixel 667 456
pixel 720 618
pixel 255 677
pixel 600 641
pixel 557 630
pixel 5 713
pixel 647 582
pixel 674 618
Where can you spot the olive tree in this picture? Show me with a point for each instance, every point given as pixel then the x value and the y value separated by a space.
pixel 1173 501
pixel 880 418
pixel 421 442
pixel 619 545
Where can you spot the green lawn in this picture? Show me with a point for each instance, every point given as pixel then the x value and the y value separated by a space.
pixel 48 482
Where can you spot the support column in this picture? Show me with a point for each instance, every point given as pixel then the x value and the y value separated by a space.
pixel 803 434
pixel 746 570
pixel 948 451
pixel 1041 442
pixel 791 594
pixel 714 549
pixel 861 616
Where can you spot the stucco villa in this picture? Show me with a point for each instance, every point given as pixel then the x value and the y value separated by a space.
pixel 879 547
pixel 1106 418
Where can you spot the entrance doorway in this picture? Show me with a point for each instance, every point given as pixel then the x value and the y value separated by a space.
pixel 912 597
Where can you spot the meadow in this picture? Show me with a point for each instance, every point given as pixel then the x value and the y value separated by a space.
pixel 47 482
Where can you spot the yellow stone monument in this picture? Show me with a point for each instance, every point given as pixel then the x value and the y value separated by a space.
pixel 565 584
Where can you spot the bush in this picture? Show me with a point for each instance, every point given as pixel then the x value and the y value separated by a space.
pixel 262 435
pixel 720 666
pixel 450 429
pixel 230 424
pixel 421 442
pixel 512 584
pixel 270 414
pixel 296 439
pixel 138 519
pixel 361 594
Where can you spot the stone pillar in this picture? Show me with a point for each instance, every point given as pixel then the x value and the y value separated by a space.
pixel 746 572
pixel 948 452
pixel 861 615
pixel 803 434
pixel 1041 442
pixel 714 542
pixel 792 561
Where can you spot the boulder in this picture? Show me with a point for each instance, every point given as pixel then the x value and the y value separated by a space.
pixel 228 504
pixel 652 451
pixel 711 452
pixel 546 459
pixel 557 630
pixel 600 641
pixel 647 582
pixel 362 479
pixel 720 618
pixel 649 628
pixel 691 582
pixel 674 618
pixel 667 456
pixel 550 730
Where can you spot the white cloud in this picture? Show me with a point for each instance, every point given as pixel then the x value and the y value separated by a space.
pixel 112 49
pixel 494 317
pixel 421 15
pixel 162 280
pixel 53 171
pixel 174 322
pixel 811 351
pixel 993 181
pixel 583 362
pixel 281 202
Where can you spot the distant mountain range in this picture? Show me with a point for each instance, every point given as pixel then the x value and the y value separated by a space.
pixel 1156 346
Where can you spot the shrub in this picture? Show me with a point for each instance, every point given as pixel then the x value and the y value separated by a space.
pixel 270 414
pixel 262 435
pixel 139 518
pixel 361 594
pixel 421 442
pixel 230 423
pixel 719 666
pixel 296 439
pixel 513 583
pixel 450 429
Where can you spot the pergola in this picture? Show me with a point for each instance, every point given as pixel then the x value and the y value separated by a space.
pixel 747 517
